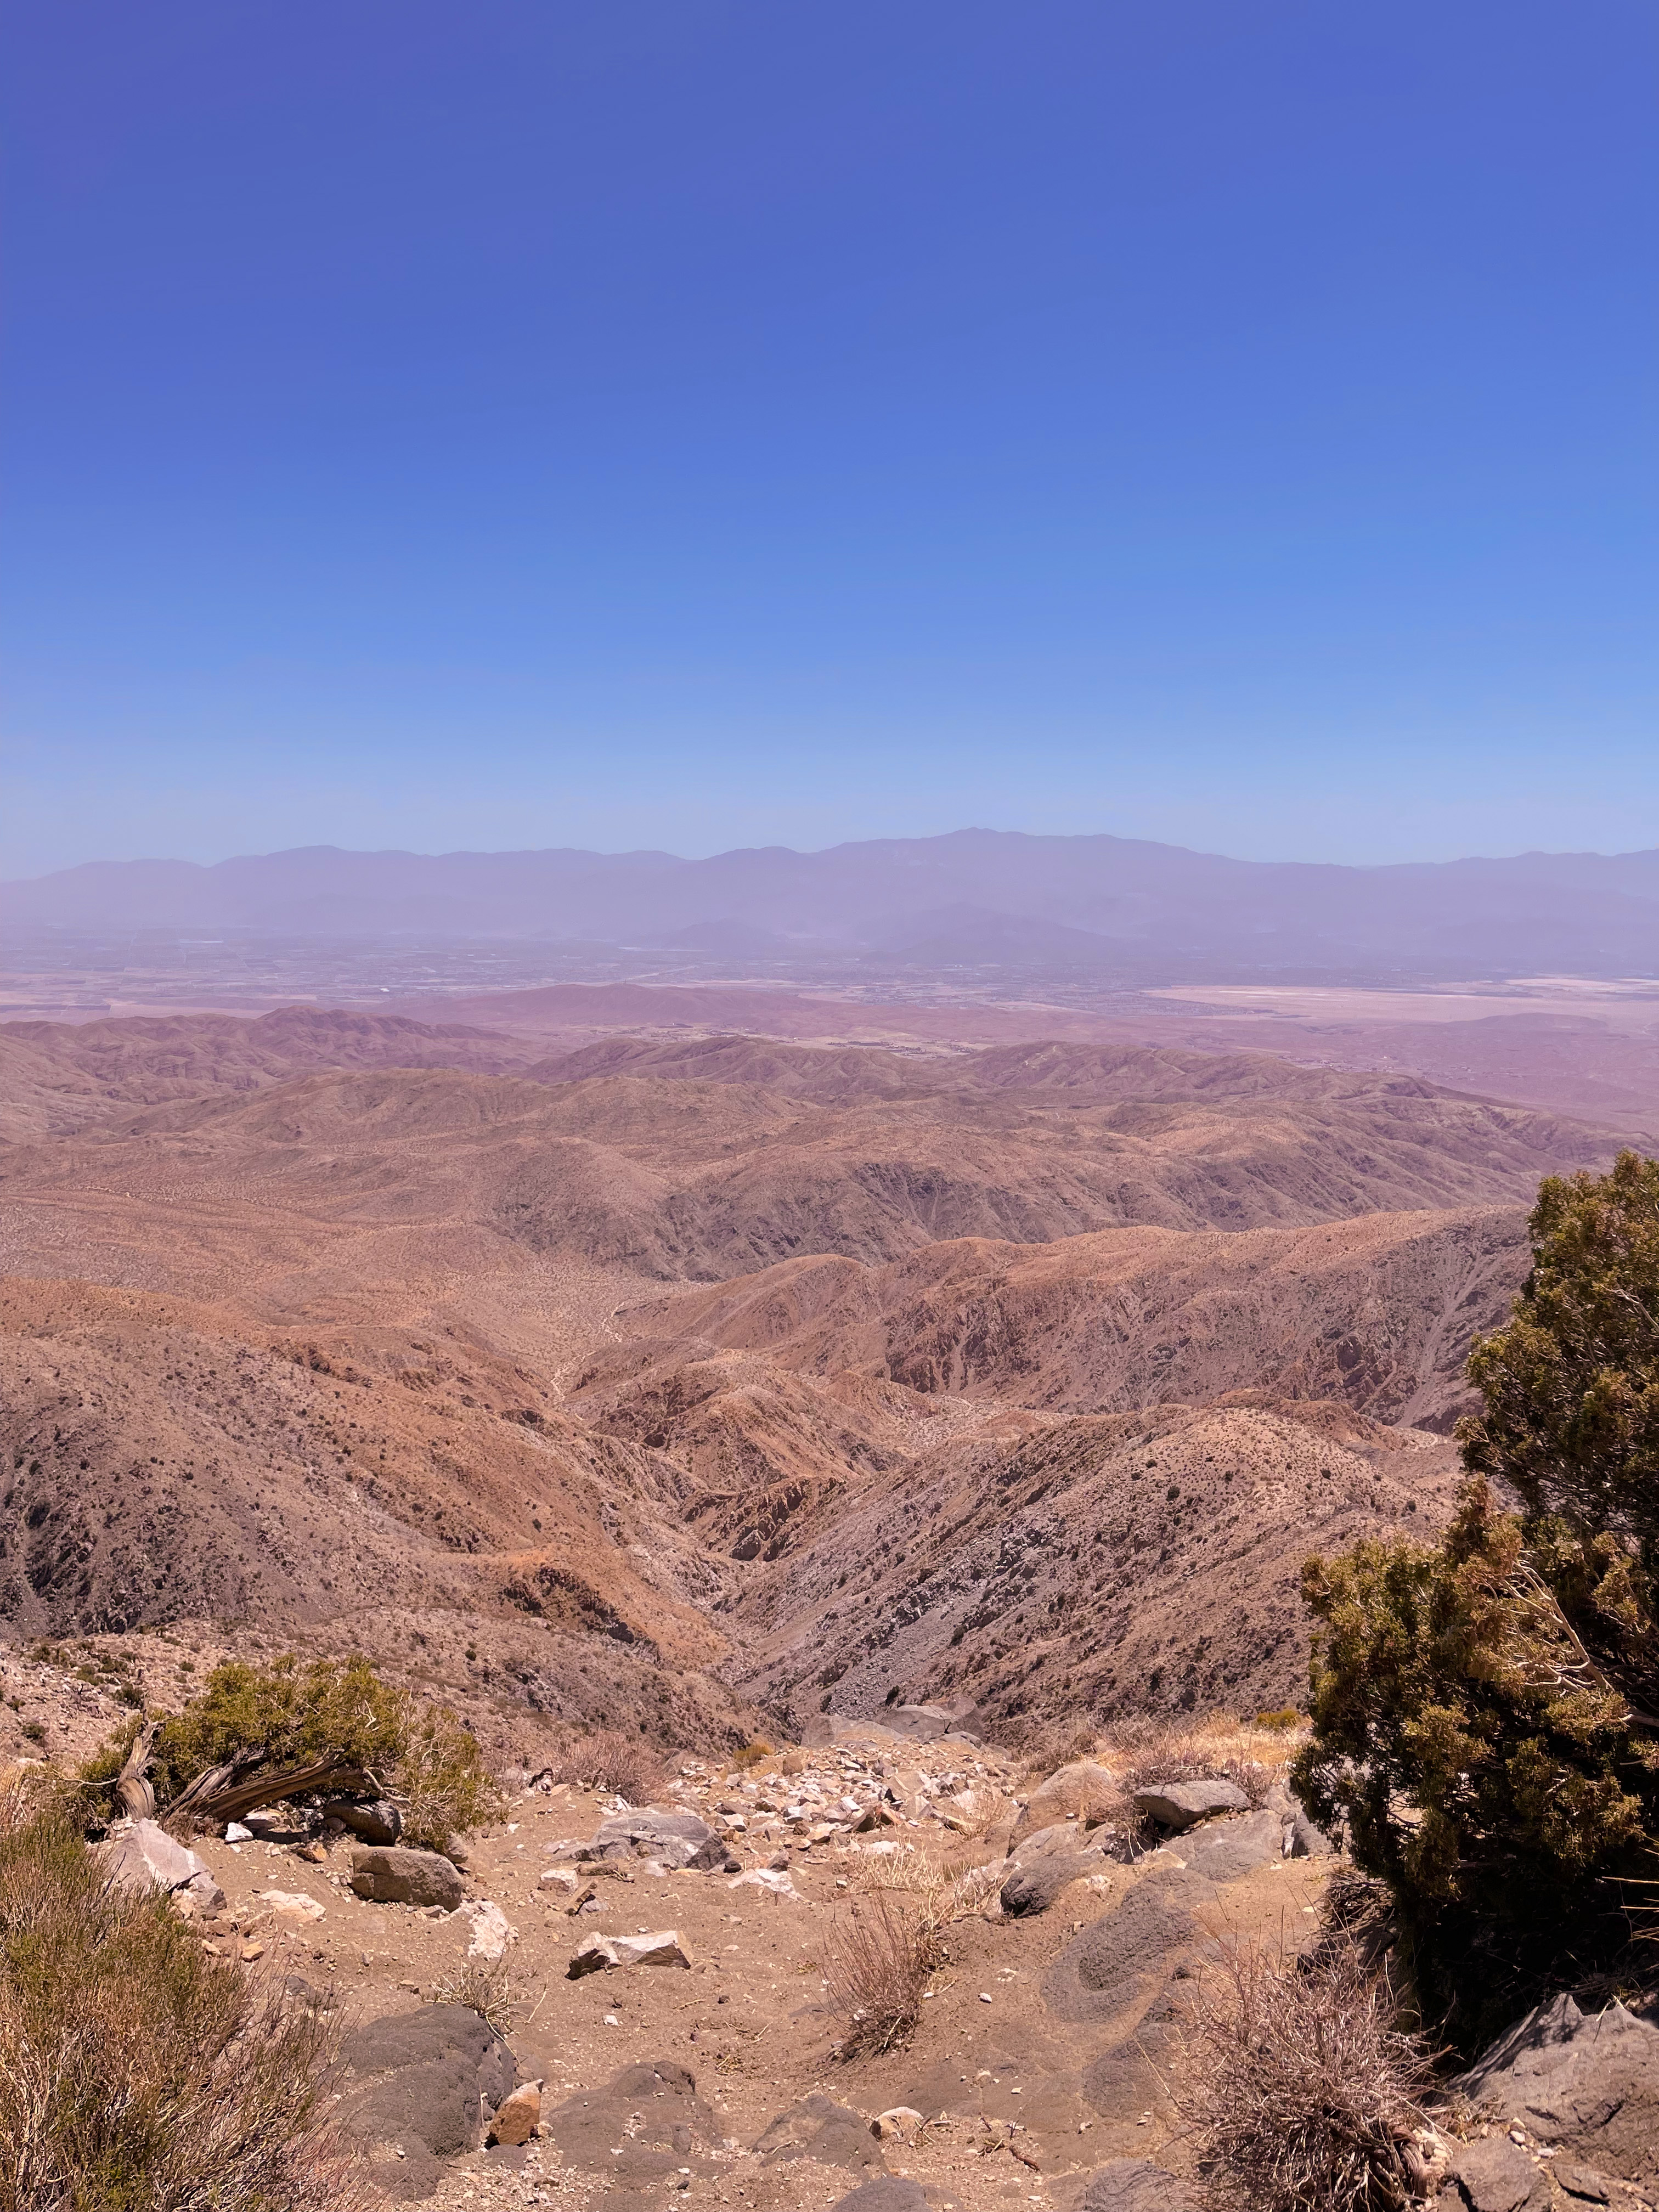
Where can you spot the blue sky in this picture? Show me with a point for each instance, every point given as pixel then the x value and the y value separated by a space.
pixel 708 423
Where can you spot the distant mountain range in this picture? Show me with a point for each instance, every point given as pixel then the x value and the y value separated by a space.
pixel 977 898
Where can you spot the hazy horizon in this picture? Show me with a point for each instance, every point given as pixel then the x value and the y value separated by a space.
pixel 725 852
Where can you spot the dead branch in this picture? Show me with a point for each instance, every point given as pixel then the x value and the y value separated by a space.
pixel 132 1784
pixel 212 1798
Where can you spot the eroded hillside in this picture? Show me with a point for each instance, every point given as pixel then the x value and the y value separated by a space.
pixel 685 1376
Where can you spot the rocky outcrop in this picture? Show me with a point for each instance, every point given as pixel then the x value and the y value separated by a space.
pixel 1588 2082
pixel 673 1840
pixel 1180 1804
pixel 418 2084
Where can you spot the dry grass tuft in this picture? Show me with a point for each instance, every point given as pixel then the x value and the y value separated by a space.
pixel 612 1760
pixel 485 1986
pixel 1304 2093
pixel 135 2070
pixel 882 1956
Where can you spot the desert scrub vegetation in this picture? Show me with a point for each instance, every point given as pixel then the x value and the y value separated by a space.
pixel 249 1722
pixel 611 1759
pixel 1304 2094
pixel 136 2073
pixel 883 1953
pixel 1486 1710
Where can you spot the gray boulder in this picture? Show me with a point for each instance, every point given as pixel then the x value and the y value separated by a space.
pixel 1179 1804
pixel 672 1839
pixel 1587 2081
pixel 889 2192
pixel 1032 1889
pixel 395 1875
pixel 1135 2184
pixel 1232 1848
pixel 1496 2175
pixel 376 1822
pixel 819 2128
pixel 421 2081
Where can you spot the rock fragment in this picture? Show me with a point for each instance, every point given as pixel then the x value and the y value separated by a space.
pixel 661 1948
pixel 518 2116
pixel 1179 1804
pixel 394 1875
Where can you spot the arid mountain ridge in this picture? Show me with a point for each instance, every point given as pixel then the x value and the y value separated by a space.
pixel 665 1372
pixel 976 896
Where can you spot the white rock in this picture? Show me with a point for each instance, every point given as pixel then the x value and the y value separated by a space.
pixel 897 2126
pixel 562 1878
pixel 491 1933
pixel 144 1856
pixel 236 1834
pixel 773 1880
pixel 657 1948
pixel 291 1904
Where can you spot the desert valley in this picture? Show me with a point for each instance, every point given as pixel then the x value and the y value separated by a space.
pixel 879 1423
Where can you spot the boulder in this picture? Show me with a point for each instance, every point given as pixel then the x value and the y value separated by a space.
pixel 651 2112
pixel 1496 2175
pixel 819 2128
pixel 393 1875
pixel 1071 1792
pixel 1178 1804
pixel 1122 1959
pixel 1135 2184
pixel 1232 1848
pixel 143 1856
pixel 1587 2081
pixel 672 1839
pixel 600 1953
pixel 376 1822
pixel 1032 1889
pixel 889 2192
pixel 421 2081
pixel 518 2116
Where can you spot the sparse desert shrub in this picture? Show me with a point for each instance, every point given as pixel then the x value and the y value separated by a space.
pixel 611 1759
pixel 136 2073
pixel 940 1891
pixel 1304 2094
pixel 1280 1719
pixel 882 1955
pixel 755 1752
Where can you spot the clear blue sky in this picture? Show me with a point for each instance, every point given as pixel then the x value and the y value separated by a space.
pixel 696 424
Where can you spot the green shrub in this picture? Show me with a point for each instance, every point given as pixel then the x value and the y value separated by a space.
pixel 286 1714
pixel 445 1787
pixel 1483 1711
pixel 140 2074
pixel 283 1715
